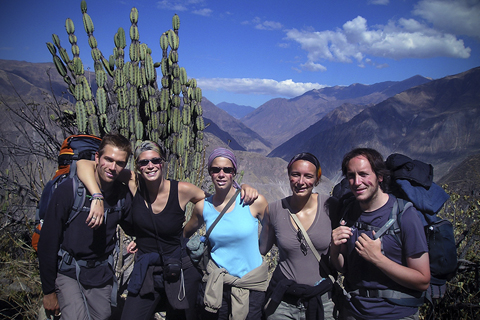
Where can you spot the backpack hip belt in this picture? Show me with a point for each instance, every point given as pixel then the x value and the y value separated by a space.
pixel 386 294
pixel 68 262
pixel 412 298
pixel 392 296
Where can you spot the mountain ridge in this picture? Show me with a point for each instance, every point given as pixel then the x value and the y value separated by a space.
pixel 244 136
pixel 235 110
pixel 289 117
pixel 431 122
pixel 435 122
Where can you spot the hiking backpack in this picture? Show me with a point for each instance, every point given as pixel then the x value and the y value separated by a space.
pixel 74 148
pixel 412 180
pixel 412 184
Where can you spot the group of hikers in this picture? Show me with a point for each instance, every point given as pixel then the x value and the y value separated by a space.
pixel 311 231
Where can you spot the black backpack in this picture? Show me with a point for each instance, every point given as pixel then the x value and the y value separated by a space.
pixel 73 148
pixel 412 180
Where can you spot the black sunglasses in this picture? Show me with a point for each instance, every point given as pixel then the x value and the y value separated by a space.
pixel 227 170
pixel 145 162
pixel 301 239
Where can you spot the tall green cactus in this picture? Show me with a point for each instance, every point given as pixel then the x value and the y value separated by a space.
pixel 128 100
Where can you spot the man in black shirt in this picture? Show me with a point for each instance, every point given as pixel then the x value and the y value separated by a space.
pixel 75 258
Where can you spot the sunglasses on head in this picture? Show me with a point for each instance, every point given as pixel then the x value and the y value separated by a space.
pixel 227 170
pixel 144 162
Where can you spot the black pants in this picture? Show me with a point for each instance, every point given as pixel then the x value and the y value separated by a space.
pixel 256 301
pixel 144 307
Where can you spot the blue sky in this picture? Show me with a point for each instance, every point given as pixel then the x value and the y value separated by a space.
pixel 248 52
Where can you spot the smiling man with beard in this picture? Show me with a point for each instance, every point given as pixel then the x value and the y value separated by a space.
pixel 75 258
pixel 382 275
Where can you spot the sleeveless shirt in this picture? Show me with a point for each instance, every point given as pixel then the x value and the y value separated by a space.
pixel 234 240
pixel 160 232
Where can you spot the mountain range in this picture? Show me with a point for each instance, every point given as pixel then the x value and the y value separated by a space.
pixel 280 119
pixel 248 139
pixel 435 121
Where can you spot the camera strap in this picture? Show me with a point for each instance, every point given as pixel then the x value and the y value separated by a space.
pixel 181 293
pixel 149 205
pixel 299 224
pixel 228 205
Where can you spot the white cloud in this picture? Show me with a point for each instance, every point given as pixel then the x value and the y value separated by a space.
pixel 405 38
pixel 380 2
pixel 460 17
pixel 203 12
pixel 311 66
pixel 269 25
pixel 381 66
pixel 374 64
pixel 172 5
pixel 263 25
pixel 286 88
pixel 195 6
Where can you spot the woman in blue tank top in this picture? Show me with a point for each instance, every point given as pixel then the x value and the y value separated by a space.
pixel 236 276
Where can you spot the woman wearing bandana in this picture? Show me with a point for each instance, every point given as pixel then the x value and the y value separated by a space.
pixel 294 291
pixel 236 275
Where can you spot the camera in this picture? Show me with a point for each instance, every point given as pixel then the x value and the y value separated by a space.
pixel 172 269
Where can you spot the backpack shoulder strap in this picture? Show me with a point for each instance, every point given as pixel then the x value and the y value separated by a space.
pixel 402 205
pixel 79 201
pixel 73 169
pixel 120 207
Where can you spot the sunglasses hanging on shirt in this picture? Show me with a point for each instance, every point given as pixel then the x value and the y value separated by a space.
pixel 301 239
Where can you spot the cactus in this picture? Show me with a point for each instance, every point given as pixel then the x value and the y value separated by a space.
pixel 128 98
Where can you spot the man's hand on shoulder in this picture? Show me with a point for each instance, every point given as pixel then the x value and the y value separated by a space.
pixel 95 217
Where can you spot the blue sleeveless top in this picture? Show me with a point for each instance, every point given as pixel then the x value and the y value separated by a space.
pixel 234 240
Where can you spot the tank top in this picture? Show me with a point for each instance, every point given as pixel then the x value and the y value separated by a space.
pixel 234 240
pixel 161 231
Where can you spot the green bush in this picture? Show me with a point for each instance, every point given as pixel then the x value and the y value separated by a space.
pixel 462 297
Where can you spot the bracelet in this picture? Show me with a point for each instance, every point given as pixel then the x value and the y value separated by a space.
pixel 97 196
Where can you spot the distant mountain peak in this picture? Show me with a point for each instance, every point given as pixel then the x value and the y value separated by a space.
pixel 235 110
